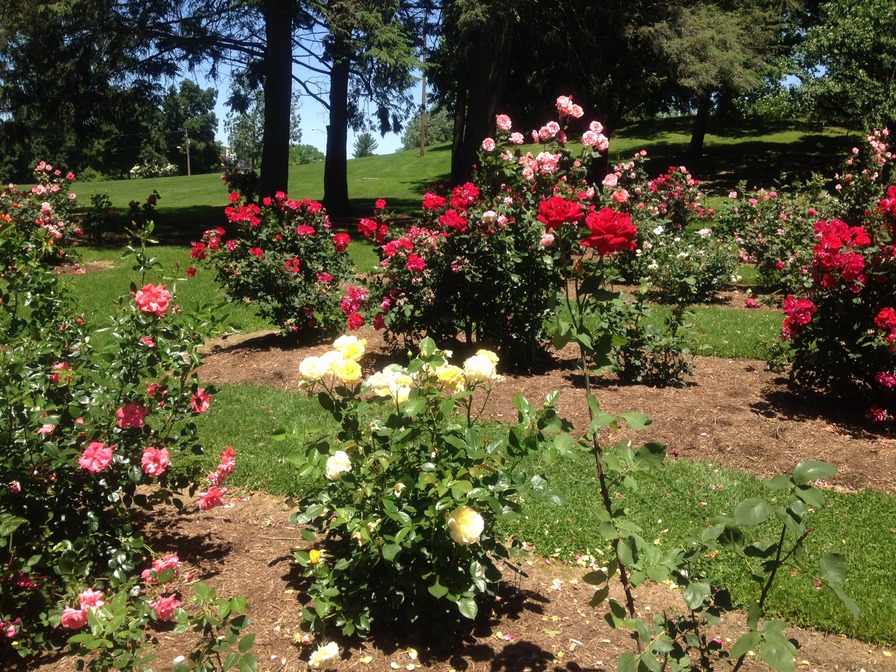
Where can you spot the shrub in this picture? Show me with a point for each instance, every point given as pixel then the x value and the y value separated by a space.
pixel 678 254
pixel 84 429
pixel 481 261
pixel 775 232
pixel 414 484
pixel 283 259
pixel 841 334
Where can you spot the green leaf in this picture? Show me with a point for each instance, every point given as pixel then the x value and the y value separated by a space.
pixel 846 600
pixel 627 662
pixel 247 642
pixel 650 455
pixel 695 594
pixel 249 663
pixel 390 551
pixel 752 511
pixel 636 420
pixel 748 642
pixel 437 590
pixel 777 652
pixel 778 483
pixel 811 495
pixel 811 470
pixel 833 568
pixel 309 535
pixel 460 488
pixel 467 607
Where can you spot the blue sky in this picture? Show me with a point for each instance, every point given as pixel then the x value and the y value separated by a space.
pixel 313 120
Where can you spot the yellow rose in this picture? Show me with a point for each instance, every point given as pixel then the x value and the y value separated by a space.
pixel 324 657
pixel 465 525
pixel 489 355
pixel 451 376
pixel 347 371
pixel 350 347
pixel 314 555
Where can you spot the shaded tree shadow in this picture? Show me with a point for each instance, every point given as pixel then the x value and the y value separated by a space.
pixel 844 411
pixel 203 550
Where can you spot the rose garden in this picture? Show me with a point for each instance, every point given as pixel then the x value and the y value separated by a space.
pixel 424 487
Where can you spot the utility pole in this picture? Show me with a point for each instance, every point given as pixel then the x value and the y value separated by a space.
pixel 187 145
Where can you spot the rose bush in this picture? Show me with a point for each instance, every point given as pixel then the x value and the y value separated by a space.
pixel 284 260
pixel 91 432
pixel 413 485
pixel 481 262
pixel 840 335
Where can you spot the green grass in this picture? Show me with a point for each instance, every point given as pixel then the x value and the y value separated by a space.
pixel 99 291
pixel 735 332
pixel 686 496
pixel 245 416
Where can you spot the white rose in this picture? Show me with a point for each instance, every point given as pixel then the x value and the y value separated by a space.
pixel 479 369
pixel 465 525
pixel 337 463
pixel 313 368
pixel 324 656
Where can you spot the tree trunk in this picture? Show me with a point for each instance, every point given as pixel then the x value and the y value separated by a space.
pixel 701 123
pixel 277 96
pixel 335 168
pixel 477 97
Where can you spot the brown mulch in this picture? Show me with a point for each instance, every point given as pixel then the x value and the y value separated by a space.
pixel 732 412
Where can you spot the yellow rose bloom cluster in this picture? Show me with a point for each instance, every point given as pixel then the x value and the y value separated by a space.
pixel 451 376
pixel 340 363
pixel 481 367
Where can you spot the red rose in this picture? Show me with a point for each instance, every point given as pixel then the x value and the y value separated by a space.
pixel 558 210
pixel 341 241
pixel 611 231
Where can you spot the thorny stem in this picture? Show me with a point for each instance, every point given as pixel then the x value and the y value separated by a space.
pixel 599 467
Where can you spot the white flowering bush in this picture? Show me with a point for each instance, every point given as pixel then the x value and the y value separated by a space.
pixel 412 486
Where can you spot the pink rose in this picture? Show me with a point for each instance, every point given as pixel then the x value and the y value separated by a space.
pixel 132 414
pixel 611 180
pixel 228 460
pixel 91 598
pixel 155 461
pixel 164 607
pixel 73 619
pixel 620 196
pixel 502 121
pixel 201 401
pixel 516 138
pixel 96 457
pixel 547 240
pixel 488 145
pixel 153 299
pixel 210 499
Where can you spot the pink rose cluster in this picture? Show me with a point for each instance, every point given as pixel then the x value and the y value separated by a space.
pixel 74 619
pixel 214 496
pixel 353 302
